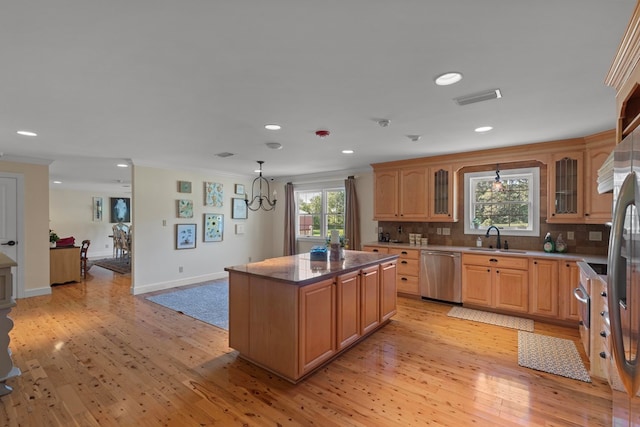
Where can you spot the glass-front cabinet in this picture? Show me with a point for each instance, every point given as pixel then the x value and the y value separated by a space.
pixel 565 175
pixel 441 194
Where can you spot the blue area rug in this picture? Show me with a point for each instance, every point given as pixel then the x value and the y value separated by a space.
pixel 208 302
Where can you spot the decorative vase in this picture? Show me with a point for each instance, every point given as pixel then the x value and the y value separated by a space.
pixel 52 244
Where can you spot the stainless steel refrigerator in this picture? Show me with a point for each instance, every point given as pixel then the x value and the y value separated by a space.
pixel 623 284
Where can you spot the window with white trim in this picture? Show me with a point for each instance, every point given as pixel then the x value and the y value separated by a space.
pixel 513 207
pixel 318 211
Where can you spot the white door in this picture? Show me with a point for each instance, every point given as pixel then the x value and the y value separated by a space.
pixel 9 222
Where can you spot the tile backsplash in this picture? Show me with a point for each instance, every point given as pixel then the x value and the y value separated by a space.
pixel 580 244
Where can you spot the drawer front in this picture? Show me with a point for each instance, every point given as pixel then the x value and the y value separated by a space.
pixel 409 267
pixel 496 261
pixel 405 253
pixel 377 249
pixel 408 285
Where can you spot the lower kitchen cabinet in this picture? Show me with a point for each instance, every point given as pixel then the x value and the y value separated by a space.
pixel 388 291
pixel 348 306
pixel 408 270
pixel 544 287
pixel 370 297
pixel 495 281
pixel 317 324
pixel 569 277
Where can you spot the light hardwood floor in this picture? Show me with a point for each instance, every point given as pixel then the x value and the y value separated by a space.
pixel 92 354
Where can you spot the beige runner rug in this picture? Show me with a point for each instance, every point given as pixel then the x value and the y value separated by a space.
pixel 492 318
pixel 550 354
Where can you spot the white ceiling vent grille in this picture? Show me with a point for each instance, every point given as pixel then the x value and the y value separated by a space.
pixel 225 154
pixel 478 97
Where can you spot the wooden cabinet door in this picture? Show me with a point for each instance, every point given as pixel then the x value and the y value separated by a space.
pixel 511 289
pixel 442 194
pixel 569 277
pixel 385 195
pixel 566 188
pixel 370 299
pixel 597 207
pixel 317 324
pixel 348 309
pixel 413 192
pixel 388 291
pixel 544 287
pixel 477 286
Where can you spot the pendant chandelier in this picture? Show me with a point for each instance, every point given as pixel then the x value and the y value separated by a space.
pixel 497 184
pixel 260 194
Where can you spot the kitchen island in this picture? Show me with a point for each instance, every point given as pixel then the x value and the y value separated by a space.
pixel 291 315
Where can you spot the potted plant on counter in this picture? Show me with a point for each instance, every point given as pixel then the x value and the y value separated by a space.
pixel 53 238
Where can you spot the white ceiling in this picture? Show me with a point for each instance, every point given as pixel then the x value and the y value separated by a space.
pixel 171 83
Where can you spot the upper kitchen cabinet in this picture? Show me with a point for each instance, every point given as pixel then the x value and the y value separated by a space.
pixel 565 182
pixel 442 183
pixel 401 194
pixel 597 207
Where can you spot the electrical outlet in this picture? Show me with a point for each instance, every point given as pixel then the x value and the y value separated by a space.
pixel 164 222
pixel 446 231
pixel 595 236
pixel 180 269
pixel 249 259
pixel 571 235
pixel 438 231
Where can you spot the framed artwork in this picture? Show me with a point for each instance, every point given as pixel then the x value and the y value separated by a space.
pixel 185 236
pixel 213 227
pixel 213 194
pixel 97 209
pixel 120 209
pixel 184 186
pixel 185 208
pixel 239 209
pixel 239 189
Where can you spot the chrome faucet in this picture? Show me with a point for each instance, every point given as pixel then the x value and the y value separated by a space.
pixel 498 246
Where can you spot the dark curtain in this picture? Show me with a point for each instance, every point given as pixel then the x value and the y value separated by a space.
pixel 289 220
pixel 351 214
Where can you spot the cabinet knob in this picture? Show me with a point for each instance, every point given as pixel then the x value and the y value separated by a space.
pixel 586 214
pixel 404 252
pixel 603 354
pixel 488 271
pixel 602 313
pixel 404 278
pixel 603 294
pixel 375 250
pixel 497 271
pixel 403 262
pixel 553 214
pixel 535 262
pixel 493 260
pixel 603 334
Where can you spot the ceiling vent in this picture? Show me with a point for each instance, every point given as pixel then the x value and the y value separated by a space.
pixel 225 154
pixel 478 97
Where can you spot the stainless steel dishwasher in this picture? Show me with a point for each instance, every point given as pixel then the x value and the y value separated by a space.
pixel 440 276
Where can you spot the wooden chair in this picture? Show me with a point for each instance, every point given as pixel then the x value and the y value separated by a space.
pixel 84 258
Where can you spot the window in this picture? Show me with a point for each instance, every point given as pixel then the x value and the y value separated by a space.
pixel 514 209
pixel 319 211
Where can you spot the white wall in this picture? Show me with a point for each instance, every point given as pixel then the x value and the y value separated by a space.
pixel 71 215
pixel 156 262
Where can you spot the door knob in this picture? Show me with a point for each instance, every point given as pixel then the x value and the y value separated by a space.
pixel 9 243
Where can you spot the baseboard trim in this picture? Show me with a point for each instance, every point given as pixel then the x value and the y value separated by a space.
pixel 38 292
pixel 160 286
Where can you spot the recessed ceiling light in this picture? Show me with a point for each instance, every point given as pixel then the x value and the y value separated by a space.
pixel 273 145
pixel 414 138
pixel 26 133
pixel 483 129
pixel 122 165
pixel 449 78
pixel 57 182
pixel 347 151
pixel 273 126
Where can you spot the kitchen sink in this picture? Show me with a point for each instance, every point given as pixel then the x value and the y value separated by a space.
pixel 506 251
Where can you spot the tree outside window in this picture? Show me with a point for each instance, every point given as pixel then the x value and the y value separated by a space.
pixel 320 211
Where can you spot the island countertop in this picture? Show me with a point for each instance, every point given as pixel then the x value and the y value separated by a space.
pixel 300 270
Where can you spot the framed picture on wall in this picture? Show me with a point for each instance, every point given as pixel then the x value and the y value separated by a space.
pixel 213 227
pixel 97 209
pixel 185 236
pixel 185 208
pixel 239 189
pixel 184 186
pixel 120 209
pixel 238 209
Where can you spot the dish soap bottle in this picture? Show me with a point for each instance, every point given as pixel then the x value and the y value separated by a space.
pixel 561 246
pixel 548 245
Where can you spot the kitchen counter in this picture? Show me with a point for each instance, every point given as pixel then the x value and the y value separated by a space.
pixel 291 315
pixel 598 259
pixel 300 270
